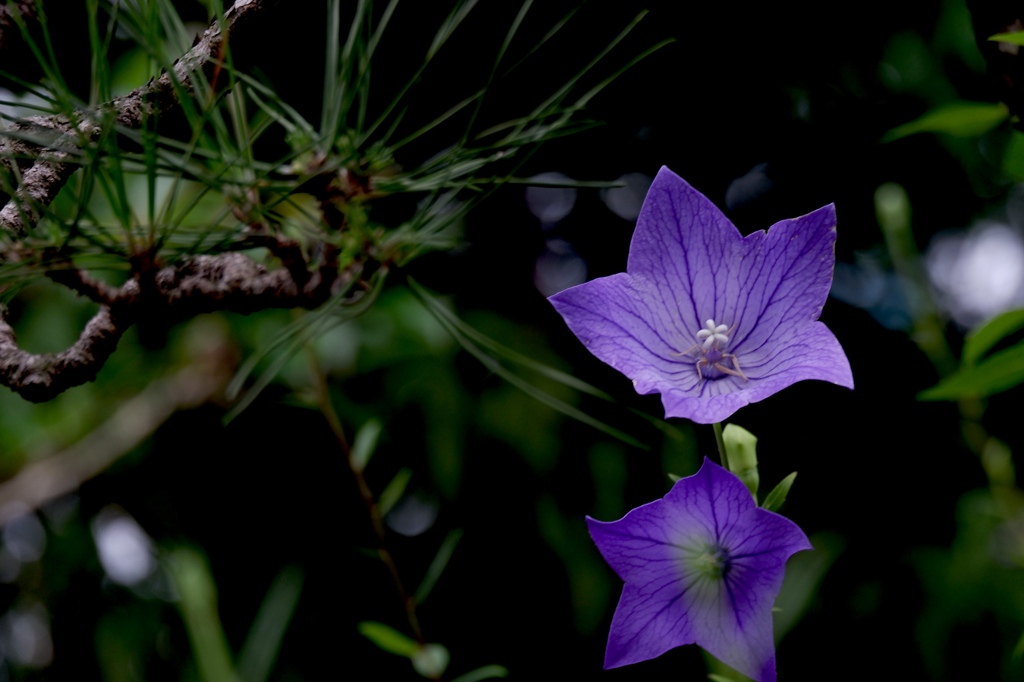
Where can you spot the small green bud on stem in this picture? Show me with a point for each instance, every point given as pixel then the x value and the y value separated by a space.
pixel 742 448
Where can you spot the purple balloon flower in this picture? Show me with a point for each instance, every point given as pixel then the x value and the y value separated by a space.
pixel 707 317
pixel 701 565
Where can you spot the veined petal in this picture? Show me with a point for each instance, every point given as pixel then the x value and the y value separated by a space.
pixel 671 599
pixel 627 323
pixel 785 279
pixel 690 273
pixel 813 354
pixel 681 244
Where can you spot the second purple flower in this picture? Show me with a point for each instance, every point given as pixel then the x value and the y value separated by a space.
pixel 701 565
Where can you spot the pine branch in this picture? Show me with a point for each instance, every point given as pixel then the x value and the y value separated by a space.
pixel 45 165
pixel 41 377
pixel 229 282
pixel 40 153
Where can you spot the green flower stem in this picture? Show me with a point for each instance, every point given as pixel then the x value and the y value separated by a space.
pixel 323 397
pixel 721 445
pixel 892 208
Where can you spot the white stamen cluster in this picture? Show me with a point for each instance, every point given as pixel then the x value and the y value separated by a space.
pixel 710 346
pixel 713 335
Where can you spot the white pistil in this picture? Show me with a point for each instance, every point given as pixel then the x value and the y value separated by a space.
pixel 711 343
pixel 713 335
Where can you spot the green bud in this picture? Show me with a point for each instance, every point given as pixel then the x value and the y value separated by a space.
pixel 892 207
pixel 430 660
pixel 741 446
pixel 998 462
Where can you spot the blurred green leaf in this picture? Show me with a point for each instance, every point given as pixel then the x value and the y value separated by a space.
pixel 774 500
pixel 954 36
pixel 365 443
pixel 388 638
pixel 981 339
pixel 998 372
pixel 256 660
pixel 1016 38
pixel 452 321
pixel 977 576
pixel 1013 156
pixel 804 573
pixel 588 582
pixel 486 350
pixel 960 119
pixel 437 566
pixel 502 412
pixel 1018 651
pixel 394 491
pixel 487 672
pixel 197 601
pixel 608 469
pixel 126 638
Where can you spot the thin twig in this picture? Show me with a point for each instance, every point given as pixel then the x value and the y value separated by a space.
pixel 81 282
pixel 334 422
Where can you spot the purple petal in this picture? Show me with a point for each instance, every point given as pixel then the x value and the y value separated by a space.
pixel 629 324
pixel 688 264
pixel 813 354
pixel 684 245
pixel 667 601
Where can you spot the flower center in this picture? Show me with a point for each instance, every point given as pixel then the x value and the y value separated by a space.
pixel 713 362
pixel 712 561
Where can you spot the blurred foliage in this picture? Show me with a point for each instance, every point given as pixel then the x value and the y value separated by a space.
pixel 484 434
pixel 981 374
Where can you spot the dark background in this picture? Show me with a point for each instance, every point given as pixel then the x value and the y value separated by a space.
pixel 797 103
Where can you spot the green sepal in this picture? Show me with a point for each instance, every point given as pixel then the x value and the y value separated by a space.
pixel 741 445
pixel 773 501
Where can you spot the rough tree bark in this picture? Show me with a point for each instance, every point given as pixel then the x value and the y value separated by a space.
pixel 46 149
